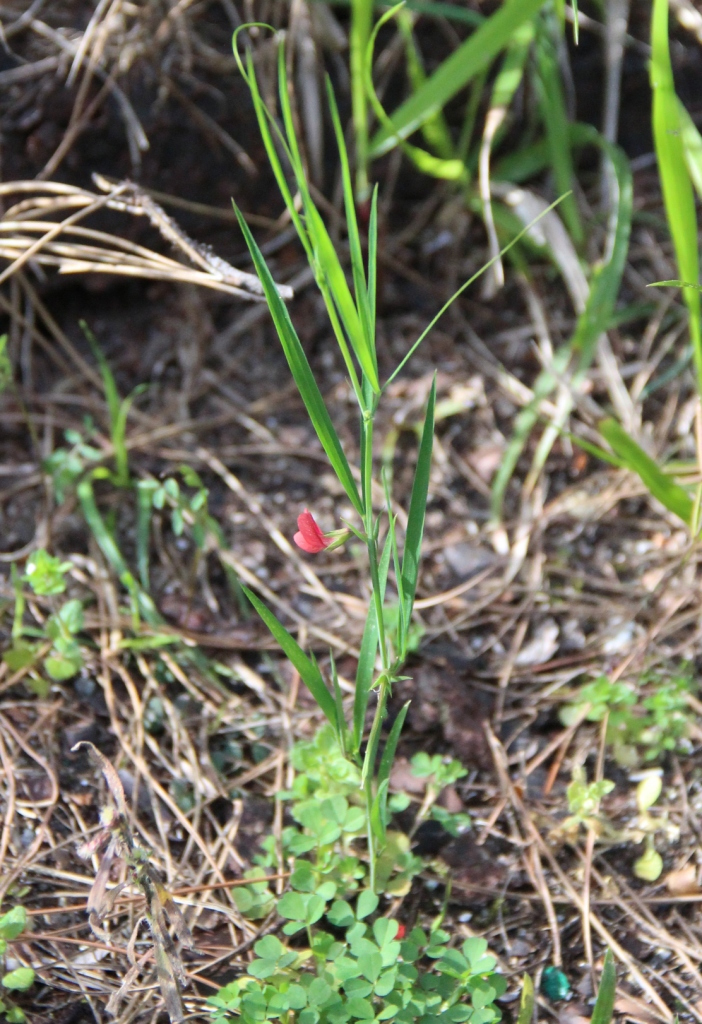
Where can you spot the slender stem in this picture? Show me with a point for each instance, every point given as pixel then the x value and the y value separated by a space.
pixel 384 681
pixel 371 543
pixel 371 838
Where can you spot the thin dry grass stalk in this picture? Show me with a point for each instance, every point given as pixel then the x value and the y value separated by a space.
pixel 29 233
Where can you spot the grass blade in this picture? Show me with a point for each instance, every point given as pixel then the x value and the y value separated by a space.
pixel 357 269
pixel 448 169
pixel 606 282
pixel 435 129
pixel 361 21
pixel 145 492
pixel 692 144
pixel 478 51
pixel 507 82
pixel 604 1004
pixel 677 190
pixel 302 374
pixel 379 813
pixel 326 261
pixel 112 396
pixel 341 731
pixel 555 120
pixel 309 671
pixel 671 495
pixel 372 256
pixel 417 509
pixel 388 757
pixel 265 122
pixel 526 1003
pixel 107 544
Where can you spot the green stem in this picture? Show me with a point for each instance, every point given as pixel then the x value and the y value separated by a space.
pixel 361 21
pixel 371 839
pixel 384 679
pixel 371 542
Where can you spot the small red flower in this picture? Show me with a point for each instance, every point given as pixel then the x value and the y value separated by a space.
pixel 401 931
pixel 310 538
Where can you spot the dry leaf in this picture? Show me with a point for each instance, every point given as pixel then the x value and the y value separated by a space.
pixel 111 777
pixel 683 882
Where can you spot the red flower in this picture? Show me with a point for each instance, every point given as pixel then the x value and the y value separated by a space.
pixel 401 931
pixel 310 538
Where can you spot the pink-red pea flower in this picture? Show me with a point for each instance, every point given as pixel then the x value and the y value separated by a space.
pixel 309 536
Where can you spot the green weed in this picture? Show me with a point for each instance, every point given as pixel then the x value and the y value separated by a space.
pixel 54 646
pixel 353 964
pixel 643 722
pixel 19 979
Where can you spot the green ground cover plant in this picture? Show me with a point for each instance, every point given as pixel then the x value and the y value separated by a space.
pixel 17 979
pixel 354 962
pixel 644 722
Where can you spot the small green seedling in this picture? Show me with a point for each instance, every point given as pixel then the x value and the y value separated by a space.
pixel 20 979
pixel 55 645
pixel 439 772
pixel 584 803
pixel 638 728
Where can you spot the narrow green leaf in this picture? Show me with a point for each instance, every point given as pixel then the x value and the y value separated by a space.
pixel 674 284
pixel 110 550
pixel 341 732
pixel 302 374
pixel 604 1004
pixel 526 1003
pixel 326 261
pixel 377 814
pixel 607 279
pixel 417 509
pixel 145 491
pixel 435 129
pixel 356 252
pixel 455 72
pixel 309 671
pixel 336 280
pixel 369 648
pixel 108 381
pixel 266 121
pixel 692 144
pixel 119 435
pixel 372 256
pixel 555 120
pixel 386 761
pixel 671 495
pixel 677 190
pixel 448 169
pixel 361 21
